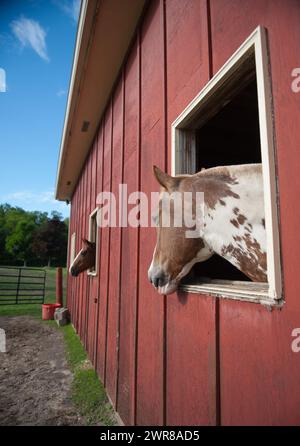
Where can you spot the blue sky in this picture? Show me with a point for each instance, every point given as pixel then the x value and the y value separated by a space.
pixel 37 39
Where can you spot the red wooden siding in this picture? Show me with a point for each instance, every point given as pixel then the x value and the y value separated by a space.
pixel 151 314
pixel 187 359
pixel 115 245
pixel 190 326
pixel 259 379
pixel 130 243
pixel 104 253
pixel 93 284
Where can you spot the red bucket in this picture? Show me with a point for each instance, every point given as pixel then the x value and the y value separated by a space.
pixel 48 311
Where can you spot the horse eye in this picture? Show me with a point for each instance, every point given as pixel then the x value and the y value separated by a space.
pixel 84 253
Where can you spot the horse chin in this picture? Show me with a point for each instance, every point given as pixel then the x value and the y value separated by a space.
pixel 168 288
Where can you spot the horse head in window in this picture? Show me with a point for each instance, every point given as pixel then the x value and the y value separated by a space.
pixel 233 225
pixel 85 259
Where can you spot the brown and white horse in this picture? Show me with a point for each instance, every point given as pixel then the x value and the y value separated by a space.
pixel 85 259
pixel 233 225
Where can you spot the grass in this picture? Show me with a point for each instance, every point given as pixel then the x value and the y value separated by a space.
pixel 88 393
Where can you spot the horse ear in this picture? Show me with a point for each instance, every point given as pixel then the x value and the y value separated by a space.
pixel 85 241
pixel 164 179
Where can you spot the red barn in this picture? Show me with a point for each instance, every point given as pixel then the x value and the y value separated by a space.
pixel 186 84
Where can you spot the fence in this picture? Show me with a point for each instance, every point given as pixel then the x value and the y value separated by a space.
pixel 22 285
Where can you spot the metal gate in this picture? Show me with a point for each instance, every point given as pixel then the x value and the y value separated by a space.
pixel 22 285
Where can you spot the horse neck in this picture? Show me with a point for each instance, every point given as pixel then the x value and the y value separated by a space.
pixel 234 219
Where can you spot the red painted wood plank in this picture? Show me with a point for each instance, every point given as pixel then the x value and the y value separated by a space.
pixel 80 277
pixel 93 290
pixel 191 360
pixel 99 188
pixel 78 243
pixel 70 282
pixel 74 229
pixel 84 274
pixel 115 251
pixel 129 267
pixel 150 354
pixel 105 246
pixel 191 330
pixel 88 279
pixel 259 372
pixel 75 222
pixel 187 55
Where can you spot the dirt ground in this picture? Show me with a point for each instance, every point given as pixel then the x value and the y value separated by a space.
pixel 35 382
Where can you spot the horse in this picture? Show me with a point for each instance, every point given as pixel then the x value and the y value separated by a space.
pixel 233 225
pixel 85 259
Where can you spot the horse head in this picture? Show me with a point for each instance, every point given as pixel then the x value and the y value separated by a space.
pixel 85 259
pixel 175 253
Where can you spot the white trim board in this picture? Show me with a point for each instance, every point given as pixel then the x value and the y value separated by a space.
pixel 73 248
pixel 92 215
pixel 255 44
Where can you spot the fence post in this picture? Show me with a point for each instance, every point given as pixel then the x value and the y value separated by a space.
pixel 59 287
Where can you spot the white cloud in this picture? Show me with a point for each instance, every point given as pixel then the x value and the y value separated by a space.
pixel 30 200
pixel 2 81
pixel 21 195
pixel 61 92
pixel 31 34
pixel 29 197
pixel 69 7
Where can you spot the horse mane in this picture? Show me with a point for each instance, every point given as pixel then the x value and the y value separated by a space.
pixel 223 172
pixel 227 171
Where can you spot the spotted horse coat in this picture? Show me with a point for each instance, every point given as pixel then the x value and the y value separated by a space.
pixel 234 218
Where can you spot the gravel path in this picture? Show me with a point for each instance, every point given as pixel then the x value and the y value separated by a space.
pixel 35 381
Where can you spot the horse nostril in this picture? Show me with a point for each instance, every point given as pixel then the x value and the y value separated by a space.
pixel 73 272
pixel 155 281
pixel 159 280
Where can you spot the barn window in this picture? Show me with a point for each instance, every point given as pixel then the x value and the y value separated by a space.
pixel 230 122
pixel 93 237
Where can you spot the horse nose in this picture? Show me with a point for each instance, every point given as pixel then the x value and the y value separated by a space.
pixel 159 279
pixel 73 272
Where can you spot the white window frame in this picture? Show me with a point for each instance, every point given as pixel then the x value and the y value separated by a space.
pixel 92 216
pixel 271 293
pixel 73 248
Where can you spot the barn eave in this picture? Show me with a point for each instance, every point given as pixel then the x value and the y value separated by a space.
pixel 104 33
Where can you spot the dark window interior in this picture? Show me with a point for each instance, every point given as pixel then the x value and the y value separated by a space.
pixel 231 136
pixel 93 229
pixel 93 237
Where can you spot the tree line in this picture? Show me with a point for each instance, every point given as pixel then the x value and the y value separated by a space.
pixel 32 238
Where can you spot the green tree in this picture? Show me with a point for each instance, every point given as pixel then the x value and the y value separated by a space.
pixel 5 257
pixel 31 237
pixel 20 236
pixel 50 241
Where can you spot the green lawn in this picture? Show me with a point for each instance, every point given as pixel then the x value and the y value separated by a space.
pixel 88 392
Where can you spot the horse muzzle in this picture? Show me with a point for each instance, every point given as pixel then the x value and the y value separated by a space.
pixel 161 281
pixel 74 272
